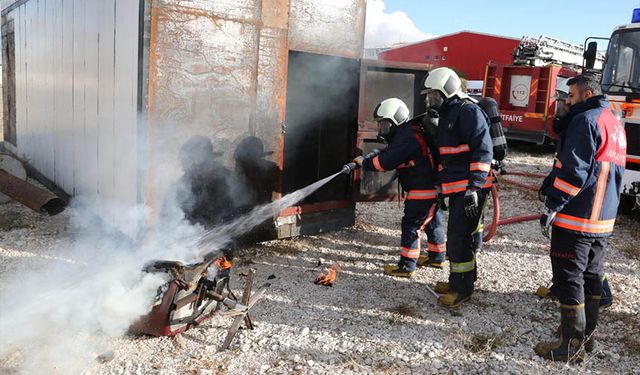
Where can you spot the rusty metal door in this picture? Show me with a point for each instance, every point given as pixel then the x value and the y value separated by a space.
pixel 380 80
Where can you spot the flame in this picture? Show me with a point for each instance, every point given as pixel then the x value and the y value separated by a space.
pixel 223 263
pixel 330 277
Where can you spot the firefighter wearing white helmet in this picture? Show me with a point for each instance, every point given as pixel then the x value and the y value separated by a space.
pixel 465 155
pixel 389 114
pixel 408 154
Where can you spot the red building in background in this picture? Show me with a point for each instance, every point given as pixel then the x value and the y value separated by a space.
pixel 466 52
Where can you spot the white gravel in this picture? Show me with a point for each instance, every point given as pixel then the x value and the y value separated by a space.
pixel 368 323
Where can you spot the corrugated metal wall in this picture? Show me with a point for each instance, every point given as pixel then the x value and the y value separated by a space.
pixel 76 95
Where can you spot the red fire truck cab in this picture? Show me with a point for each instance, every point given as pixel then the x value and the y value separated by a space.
pixel 526 96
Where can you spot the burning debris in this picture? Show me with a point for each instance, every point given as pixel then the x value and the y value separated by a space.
pixel 329 277
pixel 193 293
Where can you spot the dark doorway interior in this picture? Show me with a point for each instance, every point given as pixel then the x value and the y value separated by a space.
pixel 321 123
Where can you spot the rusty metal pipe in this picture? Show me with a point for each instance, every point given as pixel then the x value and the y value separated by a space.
pixel 31 196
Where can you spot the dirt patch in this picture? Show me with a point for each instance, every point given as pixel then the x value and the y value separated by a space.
pixel 481 344
pixel 12 219
pixel 406 310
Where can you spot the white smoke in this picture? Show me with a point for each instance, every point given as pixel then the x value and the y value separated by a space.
pixel 57 314
pixel 384 29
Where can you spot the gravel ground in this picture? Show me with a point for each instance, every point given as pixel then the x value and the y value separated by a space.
pixel 368 323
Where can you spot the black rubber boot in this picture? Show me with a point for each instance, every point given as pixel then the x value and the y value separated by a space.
pixel 607 296
pixel 591 310
pixel 569 347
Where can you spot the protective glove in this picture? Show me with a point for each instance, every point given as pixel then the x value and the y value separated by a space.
pixel 359 160
pixel 545 222
pixel 471 203
pixel 440 199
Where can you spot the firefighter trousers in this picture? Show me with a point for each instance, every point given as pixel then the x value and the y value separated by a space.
pixel 436 246
pixel 577 264
pixel 421 215
pixel 464 239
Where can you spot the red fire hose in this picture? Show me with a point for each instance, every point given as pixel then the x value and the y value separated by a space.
pixel 490 230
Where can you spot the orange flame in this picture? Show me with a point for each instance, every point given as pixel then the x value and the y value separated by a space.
pixel 330 277
pixel 223 263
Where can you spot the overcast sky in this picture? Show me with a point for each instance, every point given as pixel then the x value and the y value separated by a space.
pixel 395 21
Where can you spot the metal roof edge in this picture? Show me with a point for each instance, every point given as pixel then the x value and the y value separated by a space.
pixel 452 34
pixel 7 6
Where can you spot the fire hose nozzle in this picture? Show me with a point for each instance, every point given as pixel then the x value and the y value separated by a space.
pixel 350 167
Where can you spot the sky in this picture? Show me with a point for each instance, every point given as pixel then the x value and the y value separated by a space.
pixel 397 21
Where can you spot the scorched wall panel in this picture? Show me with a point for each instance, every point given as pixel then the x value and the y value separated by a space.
pixel 217 70
pixel 329 27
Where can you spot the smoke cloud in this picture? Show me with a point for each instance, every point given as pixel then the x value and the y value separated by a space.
pixel 384 29
pixel 55 315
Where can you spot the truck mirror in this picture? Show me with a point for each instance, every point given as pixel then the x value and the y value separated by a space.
pixel 590 55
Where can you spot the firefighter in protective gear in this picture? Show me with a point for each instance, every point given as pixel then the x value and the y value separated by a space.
pixel 466 152
pixel 560 122
pixel 581 204
pixel 408 154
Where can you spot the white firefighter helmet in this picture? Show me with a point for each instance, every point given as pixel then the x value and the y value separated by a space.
pixel 392 109
pixel 444 80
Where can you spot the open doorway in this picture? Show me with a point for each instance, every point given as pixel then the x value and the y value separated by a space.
pixel 321 123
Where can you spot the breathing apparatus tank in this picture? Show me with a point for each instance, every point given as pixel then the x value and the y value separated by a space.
pixel 490 107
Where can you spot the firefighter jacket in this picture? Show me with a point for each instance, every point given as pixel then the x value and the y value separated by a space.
pixel 586 180
pixel 409 155
pixel 465 148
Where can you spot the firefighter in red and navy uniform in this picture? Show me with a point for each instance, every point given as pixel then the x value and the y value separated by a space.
pixel 560 123
pixel 466 153
pixel 581 203
pixel 408 154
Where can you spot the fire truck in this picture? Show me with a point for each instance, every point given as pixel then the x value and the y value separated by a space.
pixel 526 89
pixel 621 83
